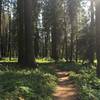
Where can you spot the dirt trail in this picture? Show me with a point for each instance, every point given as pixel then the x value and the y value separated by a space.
pixel 65 90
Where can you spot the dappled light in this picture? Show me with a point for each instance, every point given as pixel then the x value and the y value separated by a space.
pixel 49 49
pixel 65 89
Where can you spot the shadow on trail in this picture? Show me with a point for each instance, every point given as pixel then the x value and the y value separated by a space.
pixel 66 89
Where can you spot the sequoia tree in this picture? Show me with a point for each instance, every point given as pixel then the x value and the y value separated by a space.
pixel 29 55
pixel 26 55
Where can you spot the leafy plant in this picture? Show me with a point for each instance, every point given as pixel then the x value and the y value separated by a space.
pixel 88 83
pixel 27 84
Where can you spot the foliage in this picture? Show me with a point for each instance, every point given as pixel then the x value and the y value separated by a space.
pixel 27 84
pixel 88 83
pixel 69 66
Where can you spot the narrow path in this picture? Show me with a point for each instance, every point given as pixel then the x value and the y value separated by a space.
pixel 65 90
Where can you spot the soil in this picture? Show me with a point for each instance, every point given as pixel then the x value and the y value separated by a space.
pixel 66 89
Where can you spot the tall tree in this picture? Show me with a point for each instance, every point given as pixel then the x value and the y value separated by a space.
pixel 29 55
pixel 98 36
pixel 25 36
pixel 21 35
pixel 91 35
pixel 0 25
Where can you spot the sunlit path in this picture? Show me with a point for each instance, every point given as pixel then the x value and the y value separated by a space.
pixel 65 89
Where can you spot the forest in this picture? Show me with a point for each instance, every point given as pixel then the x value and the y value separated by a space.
pixel 49 49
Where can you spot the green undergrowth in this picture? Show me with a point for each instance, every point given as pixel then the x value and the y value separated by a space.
pixel 88 83
pixel 69 66
pixel 27 84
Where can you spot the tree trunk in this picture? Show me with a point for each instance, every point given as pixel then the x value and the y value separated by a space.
pixel 46 44
pixel 21 35
pixel 91 36
pixel 36 43
pixel 98 36
pixel 29 55
pixel 72 43
pixel 0 25
pixel 54 44
pixel 9 33
pixel 76 53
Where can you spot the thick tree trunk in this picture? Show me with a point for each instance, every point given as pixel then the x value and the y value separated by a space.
pixel 98 36
pixel 21 35
pixel 29 55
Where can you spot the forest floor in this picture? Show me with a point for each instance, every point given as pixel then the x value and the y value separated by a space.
pixel 66 89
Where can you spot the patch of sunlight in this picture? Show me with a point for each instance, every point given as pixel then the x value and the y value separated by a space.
pixel 9 60
pixel 44 60
pixel 95 61
pixel 62 60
